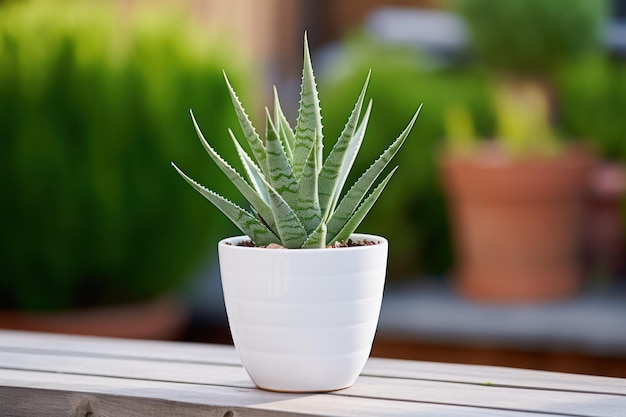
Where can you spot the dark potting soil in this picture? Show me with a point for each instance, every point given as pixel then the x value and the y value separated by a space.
pixel 344 244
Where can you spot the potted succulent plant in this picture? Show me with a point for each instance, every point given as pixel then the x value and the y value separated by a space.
pixel 303 309
pixel 516 204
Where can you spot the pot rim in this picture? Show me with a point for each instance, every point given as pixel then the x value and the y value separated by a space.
pixel 490 156
pixel 228 242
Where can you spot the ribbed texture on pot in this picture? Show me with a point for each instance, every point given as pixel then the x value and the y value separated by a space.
pixel 303 319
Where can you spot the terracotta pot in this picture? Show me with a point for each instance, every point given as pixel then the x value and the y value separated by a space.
pixel 163 318
pixel 518 224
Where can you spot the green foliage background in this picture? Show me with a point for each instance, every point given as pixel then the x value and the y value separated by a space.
pixel 531 36
pixel 93 107
pixel 412 211
pixel 592 102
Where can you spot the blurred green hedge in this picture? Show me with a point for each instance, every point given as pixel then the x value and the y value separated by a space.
pixel 412 213
pixel 94 105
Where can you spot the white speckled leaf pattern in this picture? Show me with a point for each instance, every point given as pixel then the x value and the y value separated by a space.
pixel 290 231
pixel 281 176
pixel 307 205
pixel 291 188
pixel 309 117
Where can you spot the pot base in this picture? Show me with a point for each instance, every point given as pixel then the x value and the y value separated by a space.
pixel 320 391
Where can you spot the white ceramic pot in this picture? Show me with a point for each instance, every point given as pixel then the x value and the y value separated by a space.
pixel 303 320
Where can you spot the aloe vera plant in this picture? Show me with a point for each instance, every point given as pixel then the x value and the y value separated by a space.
pixel 293 192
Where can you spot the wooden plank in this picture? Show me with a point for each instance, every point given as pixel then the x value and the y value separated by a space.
pixel 390 368
pixel 494 376
pixel 382 388
pixel 98 346
pixel 28 394
pixel 497 397
pixel 149 370
pixel 405 381
pixel 21 402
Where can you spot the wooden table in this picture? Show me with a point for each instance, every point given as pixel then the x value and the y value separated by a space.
pixel 58 375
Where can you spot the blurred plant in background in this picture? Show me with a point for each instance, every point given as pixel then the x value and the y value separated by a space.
pixel 524 126
pixel 527 44
pixel 412 214
pixel 583 83
pixel 94 102
pixel 593 99
pixel 93 105
pixel 531 36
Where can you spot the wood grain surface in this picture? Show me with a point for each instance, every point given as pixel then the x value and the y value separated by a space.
pixel 57 375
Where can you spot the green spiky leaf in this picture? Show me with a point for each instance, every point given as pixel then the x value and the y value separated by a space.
pixel 308 207
pixel 244 188
pixel 289 228
pixel 281 176
pixel 309 117
pixel 361 212
pixel 334 165
pixel 353 149
pixel 317 239
pixel 246 222
pixel 253 172
pixel 287 137
pixel 294 194
pixel 358 191
pixel 254 141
